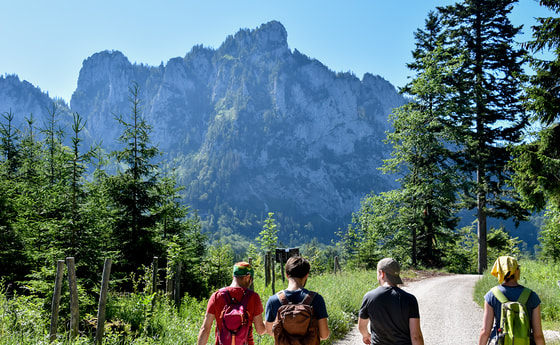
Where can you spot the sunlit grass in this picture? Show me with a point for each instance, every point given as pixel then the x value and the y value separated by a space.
pixel 22 321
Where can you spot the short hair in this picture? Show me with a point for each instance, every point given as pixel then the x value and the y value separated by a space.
pixel 297 267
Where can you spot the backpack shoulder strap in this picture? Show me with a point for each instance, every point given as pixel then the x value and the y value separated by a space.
pixel 228 299
pixel 309 298
pixel 499 295
pixel 246 296
pixel 524 297
pixel 282 297
pixel 224 292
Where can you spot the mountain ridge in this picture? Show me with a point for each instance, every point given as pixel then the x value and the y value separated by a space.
pixel 252 127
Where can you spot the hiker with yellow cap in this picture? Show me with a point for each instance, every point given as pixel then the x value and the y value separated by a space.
pixel 236 308
pixel 512 312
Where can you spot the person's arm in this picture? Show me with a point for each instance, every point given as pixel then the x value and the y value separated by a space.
pixel 487 324
pixel 324 330
pixel 536 325
pixel 415 331
pixel 363 328
pixel 259 324
pixel 268 326
pixel 205 329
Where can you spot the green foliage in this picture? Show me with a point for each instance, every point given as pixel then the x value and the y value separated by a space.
pixel 543 93
pixel 268 237
pixel 143 318
pixel 22 320
pixel 219 263
pixel 550 234
pixel 537 166
pixel 51 209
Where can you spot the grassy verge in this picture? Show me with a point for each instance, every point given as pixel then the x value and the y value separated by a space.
pixel 540 277
pixel 22 321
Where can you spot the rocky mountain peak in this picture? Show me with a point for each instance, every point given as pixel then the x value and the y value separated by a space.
pixel 255 127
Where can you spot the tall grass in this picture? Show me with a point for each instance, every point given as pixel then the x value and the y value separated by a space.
pixel 541 277
pixel 23 320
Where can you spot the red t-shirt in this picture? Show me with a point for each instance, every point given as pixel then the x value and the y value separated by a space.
pixel 217 303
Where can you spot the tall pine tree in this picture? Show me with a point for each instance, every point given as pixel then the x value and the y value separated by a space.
pixel 134 190
pixel 421 143
pixel 489 113
pixel 537 163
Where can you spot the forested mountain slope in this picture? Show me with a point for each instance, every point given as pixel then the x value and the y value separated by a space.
pixel 253 127
pixel 250 127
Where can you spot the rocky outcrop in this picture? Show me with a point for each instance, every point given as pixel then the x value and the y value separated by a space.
pixel 253 127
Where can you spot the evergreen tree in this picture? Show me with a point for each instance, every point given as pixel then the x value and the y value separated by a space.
pixel 133 190
pixel 489 109
pixel 537 163
pixel 9 136
pixel 421 144
pixel 268 237
pixel 544 91
pixel 12 258
pixel 416 223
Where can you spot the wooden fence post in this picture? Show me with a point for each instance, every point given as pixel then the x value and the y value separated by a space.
pixel 100 329
pixel 267 268
pixel 273 274
pixel 337 266
pixel 177 289
pixel 155 272
pixel 282 269
pixel 73 287
pixel 56 299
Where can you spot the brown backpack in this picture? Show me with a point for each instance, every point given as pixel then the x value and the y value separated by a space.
pixel 296 324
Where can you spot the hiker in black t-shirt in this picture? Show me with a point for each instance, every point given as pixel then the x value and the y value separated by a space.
pixel 391 312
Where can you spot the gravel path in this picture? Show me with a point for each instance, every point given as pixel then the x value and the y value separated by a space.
pixel 439 316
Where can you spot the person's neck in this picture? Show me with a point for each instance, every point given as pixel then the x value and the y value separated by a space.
pixel 235 284
pixel 511 283
pixel 295 284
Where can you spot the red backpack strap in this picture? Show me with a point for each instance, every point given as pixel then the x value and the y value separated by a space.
pixel 246 297
pixel 224 292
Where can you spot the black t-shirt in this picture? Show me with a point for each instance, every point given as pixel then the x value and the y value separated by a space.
pixel 389 309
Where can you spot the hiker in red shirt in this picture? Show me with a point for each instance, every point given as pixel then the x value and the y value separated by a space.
pixel 240 292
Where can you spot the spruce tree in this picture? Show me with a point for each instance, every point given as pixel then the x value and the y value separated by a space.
pixel 489 113
pixel 537 162
pixel 544 90
pixel 133 190
pixel 421 143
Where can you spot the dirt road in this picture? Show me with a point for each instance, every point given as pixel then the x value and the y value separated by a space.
pixel 446 306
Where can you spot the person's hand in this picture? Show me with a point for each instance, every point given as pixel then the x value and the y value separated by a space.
pixel 366 340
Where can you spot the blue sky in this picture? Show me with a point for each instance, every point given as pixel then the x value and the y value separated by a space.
pixel 45 42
